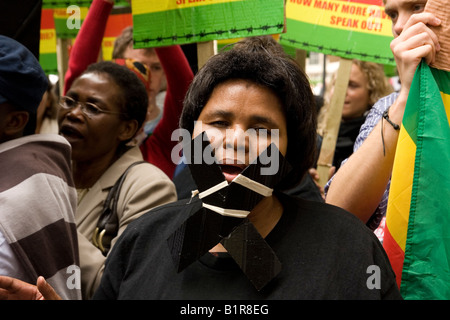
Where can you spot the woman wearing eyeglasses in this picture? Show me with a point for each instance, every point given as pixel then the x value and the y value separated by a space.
pixel 99 115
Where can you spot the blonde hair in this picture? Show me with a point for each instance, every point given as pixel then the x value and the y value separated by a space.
pixel 377 84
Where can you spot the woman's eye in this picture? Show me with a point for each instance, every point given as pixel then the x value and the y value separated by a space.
pixel 263 130
pixel 70 103
pixel 353 85
pixel 259 131
pixel 219 123
pixel 92 108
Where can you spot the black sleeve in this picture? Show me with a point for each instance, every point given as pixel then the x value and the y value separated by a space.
pixel 115 267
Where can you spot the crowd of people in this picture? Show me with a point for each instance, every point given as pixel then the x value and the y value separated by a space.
pixel 89 182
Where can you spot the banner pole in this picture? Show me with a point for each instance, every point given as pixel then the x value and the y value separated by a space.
pixel 333 121
pixel 62 57
pixel 205 50
pixel 300 57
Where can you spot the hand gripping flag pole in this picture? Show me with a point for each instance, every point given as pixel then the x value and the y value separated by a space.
pixel 223 216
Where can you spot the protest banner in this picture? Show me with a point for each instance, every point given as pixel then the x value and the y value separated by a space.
pixel 67 19
pixel 52 4
pixel 60 24
pixel 353 29
pixel 47 45
pixel 169 22
pixel 350 29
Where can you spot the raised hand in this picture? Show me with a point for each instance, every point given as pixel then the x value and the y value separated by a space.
pixel 416 41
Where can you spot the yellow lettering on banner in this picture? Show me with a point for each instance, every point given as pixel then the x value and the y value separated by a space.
pixel 48 41
pixel 61 13
pixel 340 15
pixel 145 6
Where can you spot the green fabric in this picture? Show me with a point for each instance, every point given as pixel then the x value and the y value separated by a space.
pixel 426 268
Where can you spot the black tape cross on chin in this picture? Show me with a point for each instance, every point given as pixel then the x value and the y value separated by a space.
pixel 207 227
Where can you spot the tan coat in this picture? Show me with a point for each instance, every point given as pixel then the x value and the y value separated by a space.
pixel 144 188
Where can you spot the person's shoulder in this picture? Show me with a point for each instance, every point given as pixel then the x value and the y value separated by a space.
pixel 378 108
pixel 145 179
pixel 36 141
pixel 38 153
pixel 171 214
pixel 147 171
pixel 141 169
pixel 385 102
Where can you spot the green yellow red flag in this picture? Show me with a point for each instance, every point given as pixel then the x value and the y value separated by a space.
pixel 417 235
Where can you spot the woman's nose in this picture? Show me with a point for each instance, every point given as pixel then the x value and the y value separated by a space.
pixel 75 112
pixel 236 139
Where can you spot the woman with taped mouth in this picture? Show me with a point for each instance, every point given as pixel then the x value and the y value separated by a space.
pixel 298 249
pixel 324 252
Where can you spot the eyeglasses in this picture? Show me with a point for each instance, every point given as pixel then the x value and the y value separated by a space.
pixel 88 108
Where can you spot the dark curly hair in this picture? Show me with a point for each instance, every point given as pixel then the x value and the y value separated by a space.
pixel 263 61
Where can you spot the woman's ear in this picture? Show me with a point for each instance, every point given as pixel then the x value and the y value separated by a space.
pixel 128 130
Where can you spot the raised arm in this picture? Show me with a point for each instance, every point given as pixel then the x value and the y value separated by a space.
pixel 158 147
pixel 87 45
pixel 360 183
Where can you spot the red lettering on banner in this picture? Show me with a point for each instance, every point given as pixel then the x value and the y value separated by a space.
pixel 304 2
pixel 353 10
pixel 372 25
pixel 324 5
pixel 377 12
pixel 369 17
pixel 344 22
pixel 46 35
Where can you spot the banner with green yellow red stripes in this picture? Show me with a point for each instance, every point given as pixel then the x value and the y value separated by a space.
pixel 169 22
pixel 353 29
pixel 55 19
pixel 47 44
